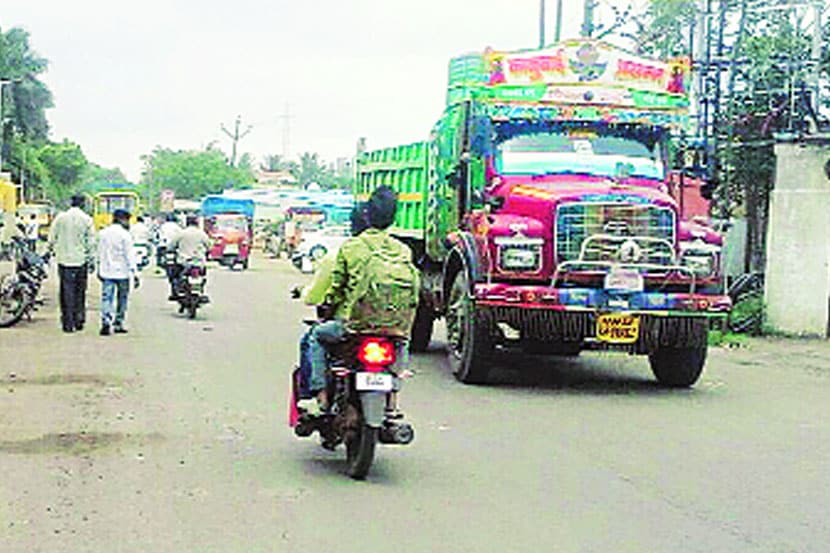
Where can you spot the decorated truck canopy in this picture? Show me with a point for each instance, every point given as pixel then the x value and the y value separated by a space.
pixel 574 80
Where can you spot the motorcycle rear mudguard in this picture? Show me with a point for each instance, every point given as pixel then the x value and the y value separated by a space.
pixel 374 407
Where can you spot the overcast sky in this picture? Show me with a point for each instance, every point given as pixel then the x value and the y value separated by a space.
pixel 128 76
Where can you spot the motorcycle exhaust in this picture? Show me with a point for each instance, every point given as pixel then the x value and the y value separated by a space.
pixel 398 433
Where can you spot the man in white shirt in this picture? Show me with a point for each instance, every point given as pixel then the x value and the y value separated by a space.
pixel 191 246
pixel 116 265
pixel 140 232
pixel 72 239
pixel 32 232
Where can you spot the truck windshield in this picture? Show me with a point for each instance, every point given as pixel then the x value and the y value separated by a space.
pixel 551 153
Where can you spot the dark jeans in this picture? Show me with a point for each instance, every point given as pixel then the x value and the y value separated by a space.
pixel 72 296
pixel 174 274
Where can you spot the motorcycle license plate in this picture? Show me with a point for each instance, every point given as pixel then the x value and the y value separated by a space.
pixel 373 382
pixel 618 328
pixel 231 249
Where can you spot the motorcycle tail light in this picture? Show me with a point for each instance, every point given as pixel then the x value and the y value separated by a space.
pixel 376 353
pixel 196 271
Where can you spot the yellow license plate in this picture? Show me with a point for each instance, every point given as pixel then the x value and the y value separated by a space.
pixel 618 328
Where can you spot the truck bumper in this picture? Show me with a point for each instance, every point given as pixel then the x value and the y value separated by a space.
pixel 571 316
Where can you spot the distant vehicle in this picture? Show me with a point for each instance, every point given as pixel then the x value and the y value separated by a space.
pixel 316 244
pixel 44 213
pixel 105 202
pixel 229 222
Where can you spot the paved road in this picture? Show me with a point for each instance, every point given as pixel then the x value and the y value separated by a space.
pixel 173 439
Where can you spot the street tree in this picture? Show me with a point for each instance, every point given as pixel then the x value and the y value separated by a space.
pixel 25 97
pixel 192 173
pixel 311 169
pixel 66 164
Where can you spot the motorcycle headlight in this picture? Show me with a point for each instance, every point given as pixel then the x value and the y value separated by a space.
pixel 520 254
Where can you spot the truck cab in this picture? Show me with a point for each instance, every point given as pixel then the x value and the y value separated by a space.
pixel 543 218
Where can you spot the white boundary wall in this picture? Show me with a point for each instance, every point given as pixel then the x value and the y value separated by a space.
pixel 797 281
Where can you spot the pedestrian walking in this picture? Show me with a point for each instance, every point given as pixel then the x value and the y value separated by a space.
pixel 32 232
pixel 116 267
pixel 72 239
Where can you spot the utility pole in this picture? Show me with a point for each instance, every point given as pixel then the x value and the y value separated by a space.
pixel 286 131
pixel 558 35
pixel 541 24
pixel 3 83
pixel 588 18
pixel 818 9
pixel 235 136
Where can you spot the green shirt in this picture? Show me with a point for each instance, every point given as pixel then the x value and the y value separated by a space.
pixel 315 293
pixel 351 259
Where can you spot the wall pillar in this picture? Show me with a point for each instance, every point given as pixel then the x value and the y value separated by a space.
pixel 797 279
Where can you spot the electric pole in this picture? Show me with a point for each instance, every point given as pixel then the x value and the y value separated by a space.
pixel 286 131
pixel 558 35
pixel 541 24
pixel 235 136
pixel 588 18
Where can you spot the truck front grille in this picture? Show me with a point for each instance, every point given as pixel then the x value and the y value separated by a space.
pixel 599 231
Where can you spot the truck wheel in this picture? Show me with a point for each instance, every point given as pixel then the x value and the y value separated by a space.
pixel 421 329
pixel 469 343
pixel 678 367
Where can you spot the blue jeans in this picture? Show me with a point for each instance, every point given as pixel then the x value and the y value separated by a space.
pixel 112 290
pixel 329 333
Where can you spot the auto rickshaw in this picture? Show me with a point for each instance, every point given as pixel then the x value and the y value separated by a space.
pixel 229 222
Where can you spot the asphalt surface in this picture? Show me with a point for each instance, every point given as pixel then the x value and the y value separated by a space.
pixel 173 438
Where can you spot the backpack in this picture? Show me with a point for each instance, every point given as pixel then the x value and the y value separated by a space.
pixel 387 295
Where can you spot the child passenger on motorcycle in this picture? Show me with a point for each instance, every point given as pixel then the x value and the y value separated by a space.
pixel 315 294
pixel 340 297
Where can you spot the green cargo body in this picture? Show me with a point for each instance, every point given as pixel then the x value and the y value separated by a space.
pixel 405 169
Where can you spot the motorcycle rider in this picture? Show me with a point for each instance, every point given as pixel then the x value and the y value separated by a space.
pixel 141 235
pixel 191 245
pixel 168 231
pixel 348 282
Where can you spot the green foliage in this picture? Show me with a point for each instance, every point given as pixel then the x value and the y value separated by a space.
pixel 274 163
pixel 312 170
pixel 66 164
pixel 94 177
pixel 662 30
pixel 192 173
pixel 25 98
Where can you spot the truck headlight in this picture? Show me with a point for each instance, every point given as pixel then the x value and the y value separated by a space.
pixel 702 259
pixel 520 254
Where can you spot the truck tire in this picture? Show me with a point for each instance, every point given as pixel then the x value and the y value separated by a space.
pixel 421 329
pixel 468 339
pixel 678 367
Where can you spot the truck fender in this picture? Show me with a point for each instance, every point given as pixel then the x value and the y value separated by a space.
pixel 463 256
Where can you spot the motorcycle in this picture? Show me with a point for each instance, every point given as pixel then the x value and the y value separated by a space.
pixel 190 288
pixel 142 255
pixel 362 386
pixel 19 290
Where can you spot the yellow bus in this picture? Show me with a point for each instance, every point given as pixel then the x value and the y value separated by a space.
pixel 105 203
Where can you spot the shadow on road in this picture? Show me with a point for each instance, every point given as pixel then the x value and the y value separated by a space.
pixel 333 464
pixel 595 373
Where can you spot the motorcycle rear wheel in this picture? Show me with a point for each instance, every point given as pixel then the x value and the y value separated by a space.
pixel 360 451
